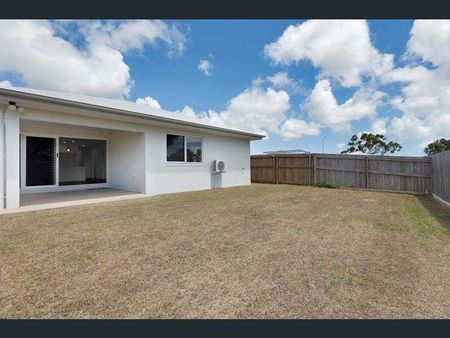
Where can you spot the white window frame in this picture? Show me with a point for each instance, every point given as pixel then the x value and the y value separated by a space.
pixel 185 162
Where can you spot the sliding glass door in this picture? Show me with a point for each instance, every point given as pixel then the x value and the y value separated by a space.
pixel 61 161
pixel 81 161
pixel 40 161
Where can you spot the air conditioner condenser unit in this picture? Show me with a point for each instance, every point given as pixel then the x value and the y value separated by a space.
pixel 218 166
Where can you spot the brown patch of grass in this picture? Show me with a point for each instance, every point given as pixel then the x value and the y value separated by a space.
pixel 263 251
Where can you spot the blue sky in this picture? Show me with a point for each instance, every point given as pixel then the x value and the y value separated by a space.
pixel 393 63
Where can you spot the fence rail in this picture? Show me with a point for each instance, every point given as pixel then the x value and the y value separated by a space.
pixel 389 173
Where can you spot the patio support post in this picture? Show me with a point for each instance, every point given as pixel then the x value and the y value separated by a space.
pixel 11 157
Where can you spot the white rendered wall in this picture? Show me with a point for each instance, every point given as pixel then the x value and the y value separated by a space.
pixel 161 176
pixel 127 161
pixel 137 153
pixel 51 130
pixel 12 159
pixel 166 177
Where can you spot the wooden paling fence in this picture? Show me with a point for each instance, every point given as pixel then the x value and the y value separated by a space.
pixel 387 173
pixel 441 175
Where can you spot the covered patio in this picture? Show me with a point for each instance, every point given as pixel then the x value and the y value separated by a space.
pixel 61 164
pixel 87 166
pixel 60 199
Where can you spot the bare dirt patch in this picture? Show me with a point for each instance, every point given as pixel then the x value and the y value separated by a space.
pixel 263 251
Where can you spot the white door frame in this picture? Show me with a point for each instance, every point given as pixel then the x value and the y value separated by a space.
pixel 56 187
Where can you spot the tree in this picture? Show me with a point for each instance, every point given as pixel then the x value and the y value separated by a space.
pixel 369 143
pixel 437 146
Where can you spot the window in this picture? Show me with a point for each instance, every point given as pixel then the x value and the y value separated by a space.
pixel 194 149
pixel 81 161
pixel 175 148
pixel 184 149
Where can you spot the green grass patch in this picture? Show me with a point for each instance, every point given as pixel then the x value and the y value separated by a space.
pixel 342 279
pixel 325 184
pixel 388 226
pixel 423 223
pixel 336 281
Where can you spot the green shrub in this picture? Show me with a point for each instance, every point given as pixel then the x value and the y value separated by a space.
pixel 324 184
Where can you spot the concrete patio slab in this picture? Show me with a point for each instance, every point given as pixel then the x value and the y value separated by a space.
pixel 61 199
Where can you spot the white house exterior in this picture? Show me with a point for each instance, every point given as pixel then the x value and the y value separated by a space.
pixel 55 142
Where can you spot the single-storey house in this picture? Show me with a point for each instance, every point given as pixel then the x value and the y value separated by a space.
pixel 53 142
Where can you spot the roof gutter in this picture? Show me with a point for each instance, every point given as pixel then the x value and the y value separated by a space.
pixel 46 99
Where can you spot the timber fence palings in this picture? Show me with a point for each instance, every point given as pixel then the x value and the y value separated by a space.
pixel 441 175
pixel 388 173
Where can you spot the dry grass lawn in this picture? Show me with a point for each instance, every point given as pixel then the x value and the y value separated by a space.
pixel 262 251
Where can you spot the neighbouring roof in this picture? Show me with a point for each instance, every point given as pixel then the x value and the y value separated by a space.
pixel 118 106
pixel 292 151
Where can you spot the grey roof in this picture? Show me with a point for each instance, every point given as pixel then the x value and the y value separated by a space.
pixel 119 106
pixel 292 151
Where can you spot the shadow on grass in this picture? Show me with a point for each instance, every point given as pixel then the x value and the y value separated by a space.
pixel 439 210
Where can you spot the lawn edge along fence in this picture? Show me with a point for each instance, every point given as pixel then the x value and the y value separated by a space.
pixel 372 172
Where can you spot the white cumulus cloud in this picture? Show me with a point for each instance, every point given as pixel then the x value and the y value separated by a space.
pixel 324 109
pixel 206 67
pixel 281 80
pixel 256 109
pixel 149 101
pixel 430 41
pixel 295 128
pixel 341 146
pixel 424 100
pixel 133 34
pixel 46 55
pixel 5 83
pixel 379 126
pixel 268 110
pixel 341 49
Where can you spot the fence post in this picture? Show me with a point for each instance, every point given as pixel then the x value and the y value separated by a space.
pixel 367 172
pixel 315 169
pixel 277 168
pixel 430 170
pixel 274 178
pixel 309 170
